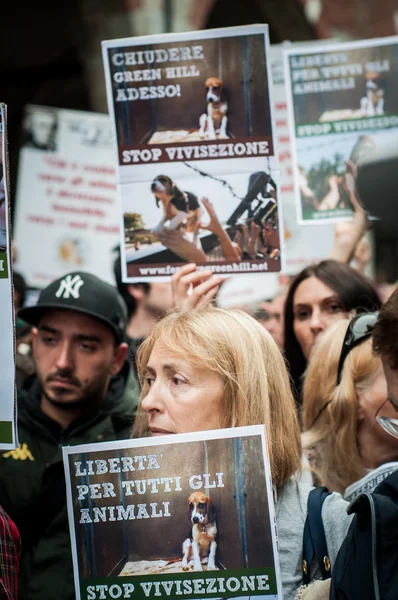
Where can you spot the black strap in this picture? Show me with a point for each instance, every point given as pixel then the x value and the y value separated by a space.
pixel 314 540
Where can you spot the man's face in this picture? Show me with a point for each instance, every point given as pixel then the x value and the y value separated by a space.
pixel 392 383
pixel 274 324
pixel 75 357
pixel 160 297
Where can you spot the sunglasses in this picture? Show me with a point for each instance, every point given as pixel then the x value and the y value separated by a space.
pixel 359 330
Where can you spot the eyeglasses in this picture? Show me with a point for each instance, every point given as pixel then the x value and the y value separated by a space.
pixel 359 329
pixel 388 424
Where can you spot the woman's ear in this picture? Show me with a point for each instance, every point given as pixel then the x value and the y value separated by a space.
pixel 361 415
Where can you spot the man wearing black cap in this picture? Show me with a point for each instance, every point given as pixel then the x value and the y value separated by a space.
pixel 78 396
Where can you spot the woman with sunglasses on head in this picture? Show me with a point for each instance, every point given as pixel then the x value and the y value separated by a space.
pixel 318 296
pixel 195 376
pixel 344 392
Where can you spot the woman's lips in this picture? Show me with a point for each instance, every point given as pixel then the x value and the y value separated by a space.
pixel 155 431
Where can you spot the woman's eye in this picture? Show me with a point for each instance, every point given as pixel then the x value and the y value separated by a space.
pixel 301 315
pixel 149 381
pixel 178 381
pixel 334 308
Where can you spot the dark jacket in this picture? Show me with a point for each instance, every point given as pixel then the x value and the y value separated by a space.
pixel 32 483
pixel 366 567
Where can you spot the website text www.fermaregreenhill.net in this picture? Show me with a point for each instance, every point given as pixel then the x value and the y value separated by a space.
pixel 217 584
pixel 243 267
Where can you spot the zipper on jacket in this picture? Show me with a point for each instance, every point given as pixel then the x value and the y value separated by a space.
pixel 374 568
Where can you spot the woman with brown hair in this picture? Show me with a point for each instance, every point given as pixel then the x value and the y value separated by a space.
pixel 318 296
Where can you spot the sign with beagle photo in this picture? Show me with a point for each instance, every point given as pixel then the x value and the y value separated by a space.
pixel 197 171
pixel 190 96
pixel 187 515
pixel 8 428
pixel 300 249
pixel 343 104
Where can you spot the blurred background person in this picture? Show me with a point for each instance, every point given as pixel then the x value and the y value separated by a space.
pixel 146 303
pixel 271 316
pixel 318 296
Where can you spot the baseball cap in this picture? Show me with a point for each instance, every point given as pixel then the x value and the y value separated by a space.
pixel 84 293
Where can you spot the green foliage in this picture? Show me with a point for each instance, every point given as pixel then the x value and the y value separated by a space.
pixel 319 174
pixel 133 221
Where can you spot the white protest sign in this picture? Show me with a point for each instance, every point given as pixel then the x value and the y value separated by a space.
pixel 67 214
pixel 132 504
pixel 8 430
pixel 197 172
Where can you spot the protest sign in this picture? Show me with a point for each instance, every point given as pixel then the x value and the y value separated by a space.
pixel 343 103
pixel 138 508
pixel 67 214
pixel 8 432
pixel 301 249
pixel 196 171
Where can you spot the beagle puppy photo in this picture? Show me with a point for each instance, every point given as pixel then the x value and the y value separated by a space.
pixel 200 547
pixel 214 119
pixel 179 208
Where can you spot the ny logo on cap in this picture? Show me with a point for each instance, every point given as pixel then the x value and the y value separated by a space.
pixel 69 286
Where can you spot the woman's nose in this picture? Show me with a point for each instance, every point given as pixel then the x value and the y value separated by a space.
pixel 317 324
pixel 153 399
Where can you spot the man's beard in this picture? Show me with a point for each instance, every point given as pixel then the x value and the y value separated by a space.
pixel 86 400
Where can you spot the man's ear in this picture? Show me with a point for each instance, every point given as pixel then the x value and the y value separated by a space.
pixel 136 291
pixel 34 332
pixel 119 358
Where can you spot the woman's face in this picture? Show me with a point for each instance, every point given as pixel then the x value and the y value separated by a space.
pixel 315 307
pixel 181 398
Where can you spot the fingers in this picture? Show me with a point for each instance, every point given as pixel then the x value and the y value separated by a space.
pixel 205 292
pixel 204 286
pixel 208 298
pixel 208 206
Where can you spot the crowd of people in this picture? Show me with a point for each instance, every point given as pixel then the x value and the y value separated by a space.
pixel 316 364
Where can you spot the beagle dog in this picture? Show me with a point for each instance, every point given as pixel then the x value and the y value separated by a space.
pixel 200 547
pixel 178 207
pixel 373 102
pixel 214 119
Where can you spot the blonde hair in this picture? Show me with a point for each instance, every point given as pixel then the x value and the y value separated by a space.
pixel 256 382
pixel 330 412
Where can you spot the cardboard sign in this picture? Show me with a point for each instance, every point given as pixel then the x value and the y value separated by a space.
pixel 343 103
pixel 8 430
pixel 66 196
pixel 197 172
pixel 138 508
